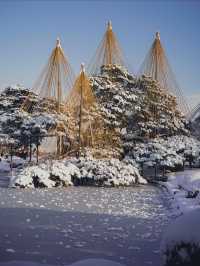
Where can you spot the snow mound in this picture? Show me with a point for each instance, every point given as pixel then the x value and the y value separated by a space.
pixel 83 171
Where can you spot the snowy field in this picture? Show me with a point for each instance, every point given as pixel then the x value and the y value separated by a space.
pixel 62 226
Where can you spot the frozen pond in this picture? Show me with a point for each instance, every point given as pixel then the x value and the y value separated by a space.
pixel 61 226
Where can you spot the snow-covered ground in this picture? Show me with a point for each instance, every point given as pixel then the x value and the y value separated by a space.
pixel 66 225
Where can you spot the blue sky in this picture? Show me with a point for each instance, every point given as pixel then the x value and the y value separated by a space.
pixel 28 30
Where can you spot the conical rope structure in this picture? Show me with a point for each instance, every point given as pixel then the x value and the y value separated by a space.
pixel 107 53
pixel 86 125
pixel 55 80
pixel 156 65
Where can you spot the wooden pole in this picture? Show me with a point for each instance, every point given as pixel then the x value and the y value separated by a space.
pixel 58 45
pixel 81 106
pixel 109 43
pixel 59 90
pixel 156 57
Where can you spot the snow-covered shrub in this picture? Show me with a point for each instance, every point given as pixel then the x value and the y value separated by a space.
pixel 108 172
pixel 32 176
pixel 171 152
pixel 45 175
pixel 83 171
pixel 181 243
pixel 63 174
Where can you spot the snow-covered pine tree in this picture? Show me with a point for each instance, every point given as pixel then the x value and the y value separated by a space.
pixel 136 107
pixel 159 114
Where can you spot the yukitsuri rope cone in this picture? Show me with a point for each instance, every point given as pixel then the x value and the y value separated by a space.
pixel 55 80
pixel 87 129
pixel 108 53
pixel 157 66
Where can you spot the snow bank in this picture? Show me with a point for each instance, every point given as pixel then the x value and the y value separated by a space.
pixel 188 180
pixel 184 187
pixel 88 262
pixel 181 242
pixel 84 171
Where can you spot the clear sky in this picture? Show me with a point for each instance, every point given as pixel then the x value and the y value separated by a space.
pixel 28 30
